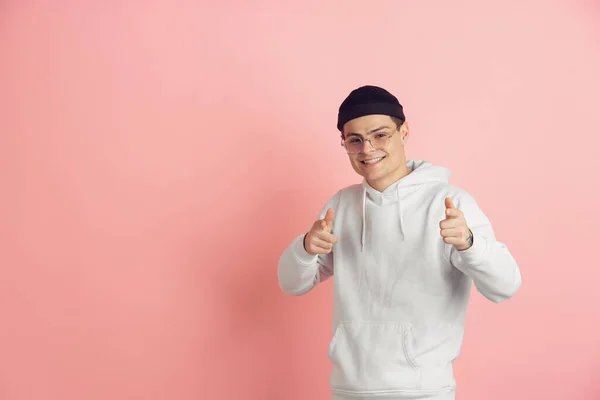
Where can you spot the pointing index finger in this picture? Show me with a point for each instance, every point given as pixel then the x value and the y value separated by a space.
pixel 328 220
pixel 453 213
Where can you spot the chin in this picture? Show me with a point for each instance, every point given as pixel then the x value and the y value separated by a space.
pixel 371 174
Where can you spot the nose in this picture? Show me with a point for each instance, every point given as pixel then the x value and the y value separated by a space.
pixel 368 147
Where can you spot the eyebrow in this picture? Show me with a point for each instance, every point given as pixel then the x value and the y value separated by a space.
pixel 370 132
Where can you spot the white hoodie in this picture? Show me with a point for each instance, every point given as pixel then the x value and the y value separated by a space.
pixel 400 292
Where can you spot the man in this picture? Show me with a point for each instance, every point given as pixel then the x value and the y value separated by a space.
pixel 403 248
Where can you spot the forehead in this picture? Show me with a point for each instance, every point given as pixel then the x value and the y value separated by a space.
pixel 366 125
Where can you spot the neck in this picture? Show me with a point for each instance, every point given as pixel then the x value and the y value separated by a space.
pixel 386 181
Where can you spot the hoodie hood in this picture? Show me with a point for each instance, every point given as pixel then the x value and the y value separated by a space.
pixel 421 173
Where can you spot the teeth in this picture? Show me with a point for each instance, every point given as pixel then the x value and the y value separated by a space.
pixel 373 161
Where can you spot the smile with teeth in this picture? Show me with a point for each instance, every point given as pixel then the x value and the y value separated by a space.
pixel 372 161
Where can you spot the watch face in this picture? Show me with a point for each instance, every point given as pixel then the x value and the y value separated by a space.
pixel 470 239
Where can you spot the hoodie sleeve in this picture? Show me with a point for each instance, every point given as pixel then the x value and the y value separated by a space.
pixel 488 262
pixel 299 272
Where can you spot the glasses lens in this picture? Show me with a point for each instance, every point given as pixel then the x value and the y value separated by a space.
pixel 354 145
pixel 380 141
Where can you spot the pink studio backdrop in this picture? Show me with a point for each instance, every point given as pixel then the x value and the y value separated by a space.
pixel 157 157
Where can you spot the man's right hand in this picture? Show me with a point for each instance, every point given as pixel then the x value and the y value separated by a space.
pixel 320 240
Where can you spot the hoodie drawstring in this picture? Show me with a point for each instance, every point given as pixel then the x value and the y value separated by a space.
pixel 364 209
pixel 400 216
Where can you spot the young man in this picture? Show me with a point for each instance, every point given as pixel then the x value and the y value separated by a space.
pixel 403 248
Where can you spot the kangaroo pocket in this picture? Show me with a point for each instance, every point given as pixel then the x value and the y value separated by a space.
pixel 373 357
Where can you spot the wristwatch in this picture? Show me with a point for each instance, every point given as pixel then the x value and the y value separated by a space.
pixel 470 238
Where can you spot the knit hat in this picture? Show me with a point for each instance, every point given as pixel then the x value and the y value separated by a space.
pixel 368 100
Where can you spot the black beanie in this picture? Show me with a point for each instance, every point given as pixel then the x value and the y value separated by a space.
pixel 369 100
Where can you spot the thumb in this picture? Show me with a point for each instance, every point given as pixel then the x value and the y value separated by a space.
pixel 329 217
pixel 449 203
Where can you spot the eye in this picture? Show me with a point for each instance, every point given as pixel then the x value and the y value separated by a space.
pixel 380 135
pixel 355 140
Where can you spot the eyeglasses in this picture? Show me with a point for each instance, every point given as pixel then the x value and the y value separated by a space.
pixel 355 144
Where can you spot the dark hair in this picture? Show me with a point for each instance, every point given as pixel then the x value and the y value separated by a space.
pixel 397 121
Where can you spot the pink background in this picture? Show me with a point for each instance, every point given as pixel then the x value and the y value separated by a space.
pixel 157 158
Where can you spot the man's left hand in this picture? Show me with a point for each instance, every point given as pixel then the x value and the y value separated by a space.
pixel 454 229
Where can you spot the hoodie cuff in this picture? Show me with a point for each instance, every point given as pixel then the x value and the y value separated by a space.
pixel 475 254
pixel 301 254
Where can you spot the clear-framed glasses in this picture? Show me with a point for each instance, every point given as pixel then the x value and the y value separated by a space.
pixel 355 144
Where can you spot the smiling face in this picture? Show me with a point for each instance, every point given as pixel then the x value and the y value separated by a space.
pixel 385 163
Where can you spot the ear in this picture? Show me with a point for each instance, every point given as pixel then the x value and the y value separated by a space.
pixel 404 132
